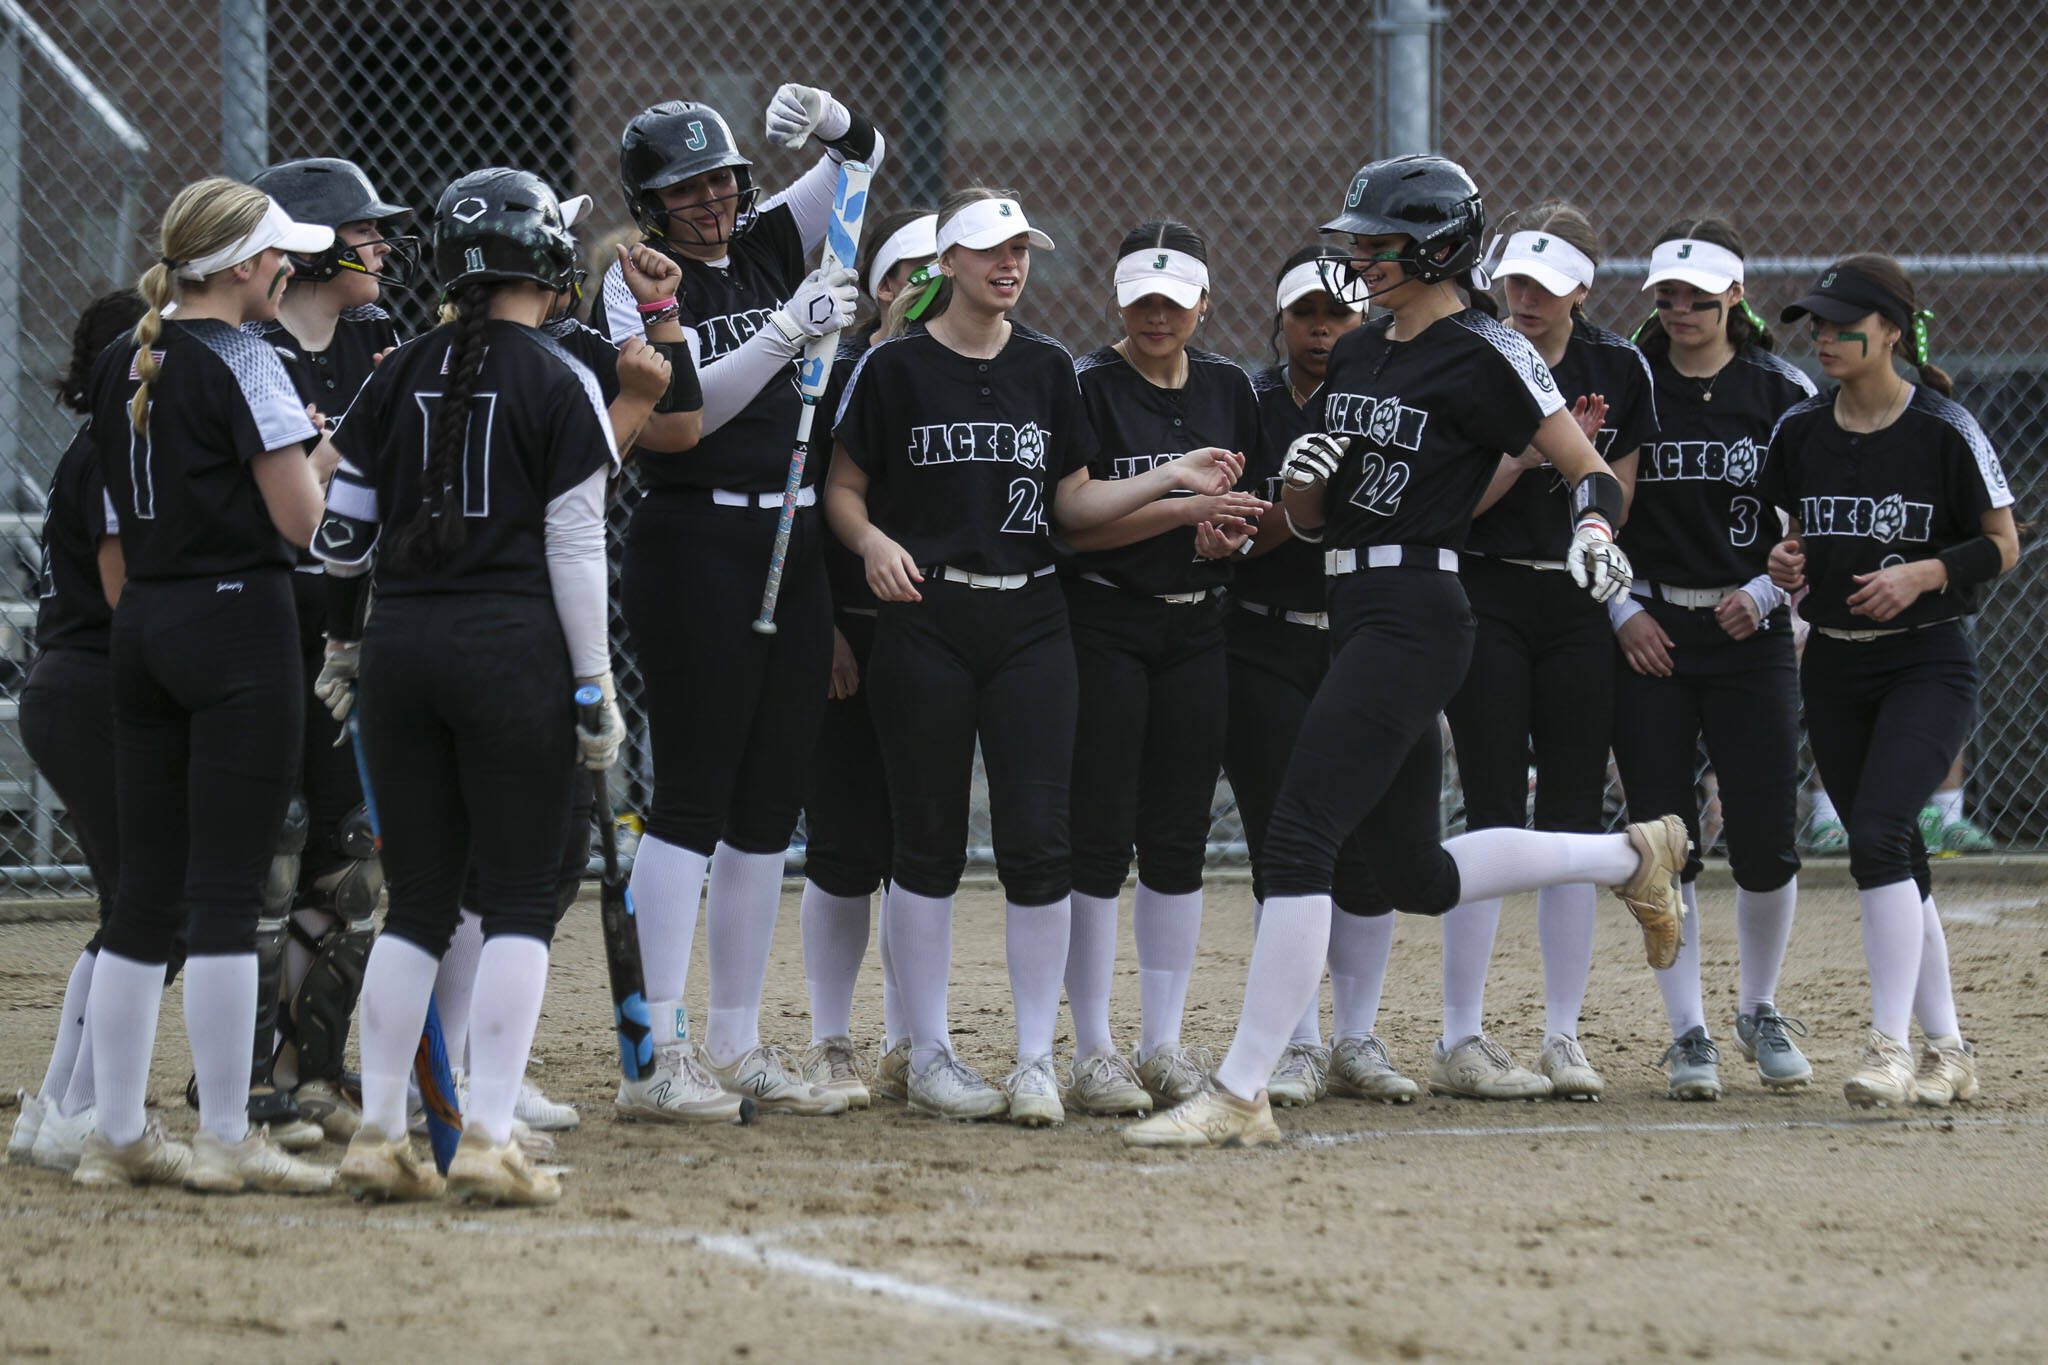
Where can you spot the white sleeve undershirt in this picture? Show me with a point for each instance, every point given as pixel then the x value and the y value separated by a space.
pixel 574 535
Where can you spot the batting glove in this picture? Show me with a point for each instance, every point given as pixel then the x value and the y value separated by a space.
pixel 1312 459
pixel 598 749
pixel 1597 563
pixel 825 302
pixel 336 685
pixel 800 112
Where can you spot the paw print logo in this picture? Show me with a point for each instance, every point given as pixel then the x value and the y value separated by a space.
pixel 1386 420
pixel 1742 463
pixel 1889 519
pixel 1031 446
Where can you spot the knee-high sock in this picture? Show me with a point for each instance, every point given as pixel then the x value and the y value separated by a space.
pixel 1287 965
pixel 1168 930
pixel 70 1030
pixel 1500 862
pixel 220 1016
pixel 835 933
pixel 397 983
pixel 1679 983
pixel 1468 953
pixel 455 985
pixel 893 1029
pixel 123 1012
pixel 667 883
pixel 1308 1030
pixel 1565 917
pixel 1359 945
pixel 1894 937
pixel 1035 937
pixel 745 893
pixel 78 1092
pixel 1763 927
pixel 920 930
pixel 511 977
pixel 1934 1001
pixel 1091 963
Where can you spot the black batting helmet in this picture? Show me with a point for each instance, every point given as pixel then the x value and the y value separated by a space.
pixel 1428 199
pixel 670 143
pixel 331 191
pixel 502 224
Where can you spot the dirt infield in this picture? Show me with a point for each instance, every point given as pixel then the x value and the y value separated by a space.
pixel 1760 1227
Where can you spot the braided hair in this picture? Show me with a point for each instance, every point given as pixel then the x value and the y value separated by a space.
pixel 435 526
pixel 105 319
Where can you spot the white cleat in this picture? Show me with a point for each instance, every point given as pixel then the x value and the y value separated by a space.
pixel 679 1090
pixel 534 1109
pixel 28 1120
pixel 1361 1070
pixel 1106 1085
pixel 1174 1075
pixel 1564 1065
pixel 1035 1094
pixel 1947 1073
pixel 770 1075
pixel 338 1113
pixel 151 1159
pixel 1213 1118
pixel 253 1164
pixel 61 1141
pixel 483 1174
pixel 388 1170
pixel 951 1089
pixel 892 1074
pixel 1301 1077
pixel 1886 1078
pixel 1479 1069
pixel 832 1064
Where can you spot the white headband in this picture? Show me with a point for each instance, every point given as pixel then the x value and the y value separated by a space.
pixel 986 223
pixel 276 228
pixel 1544 257
pixel 1702 265
pixel 1161 270
pixel 1307 278
pixel 918 237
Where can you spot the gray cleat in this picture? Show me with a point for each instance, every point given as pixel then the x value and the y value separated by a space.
pixel 1765 1038
pixel 1692 1067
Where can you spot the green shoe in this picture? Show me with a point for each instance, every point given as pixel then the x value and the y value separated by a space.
pixel 1827 839
pixel 1964 836
pixel 1930 828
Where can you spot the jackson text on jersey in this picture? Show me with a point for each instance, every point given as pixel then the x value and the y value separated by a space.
pixel 995 442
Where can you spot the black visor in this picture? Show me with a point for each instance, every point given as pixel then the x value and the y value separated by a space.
pixel 1843 296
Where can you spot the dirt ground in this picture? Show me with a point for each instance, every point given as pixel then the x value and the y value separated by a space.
pixel 1761 1227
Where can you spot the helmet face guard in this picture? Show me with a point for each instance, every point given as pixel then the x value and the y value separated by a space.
pixel 399 270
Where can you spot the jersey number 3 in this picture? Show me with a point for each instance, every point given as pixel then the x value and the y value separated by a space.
pixel 1027 509
pixel 1380 485
pixel 476 448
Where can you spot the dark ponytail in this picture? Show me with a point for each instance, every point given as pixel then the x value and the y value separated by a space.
pixel 1164 234
pixel 1911 346
pixel 436 526
pixel 102 324
pixel 1745 325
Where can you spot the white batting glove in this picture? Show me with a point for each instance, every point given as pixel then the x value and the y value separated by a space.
pixel 1312 459
pixel 1597 563
pixel 336 685
pixel 825 302
pixel 799 112
pixel 597 750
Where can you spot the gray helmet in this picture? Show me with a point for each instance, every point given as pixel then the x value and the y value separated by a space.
pixel 331 191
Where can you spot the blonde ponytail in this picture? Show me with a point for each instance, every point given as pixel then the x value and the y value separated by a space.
pixel 206 216
pixel 155 288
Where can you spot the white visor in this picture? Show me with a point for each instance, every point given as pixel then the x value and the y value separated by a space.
pixel 1706 267
pixel 1174 275
pixel 918 237
pixel 1306 279
pixel 575 208
pixel 986 223
pixel 1544 257
pixel 276 228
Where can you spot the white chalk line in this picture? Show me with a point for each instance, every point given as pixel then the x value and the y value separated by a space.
pixel 758 1249
pixel 1874 1124
pixel 1996 913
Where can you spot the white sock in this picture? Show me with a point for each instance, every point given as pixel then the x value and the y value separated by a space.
pixel 1565 916
pixel 667 883
pixel 511 977
pixel 1091 963
pixel 1168 930
pixel 1950 804
pixel 70 1030
pixel 1894 937
pixel 123 1013
pixel 1934 1001
pixel 920 930
pixel 893 1029
pixel 1501 862
pixel 78 1091
pixel 1680 982
pixel 220 1017
pixel 1823 806
pixel 1286 967
pixel 835 934
pixel 1035 939
pixel 298 958
pixel 1468 952
pixel 1763 928
pixel 740 908
pixel 1359 945
pixel 1308 1028
pixel 397 982
pixel 455 984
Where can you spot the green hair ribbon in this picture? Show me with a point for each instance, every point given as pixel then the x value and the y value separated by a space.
pixel 1755 320
pixel 927 282
pixel 1920 349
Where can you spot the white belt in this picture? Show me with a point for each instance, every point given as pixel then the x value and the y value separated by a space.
pixel 1001 582
pixel 1319 619
pixel 1692 599
pixel 725 497
pixel 1178 599
pixel 1390 557
pixel 1859 636
pixel 1551 565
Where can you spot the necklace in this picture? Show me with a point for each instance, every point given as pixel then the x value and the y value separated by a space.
pixel 1294 391
pixel 1892 411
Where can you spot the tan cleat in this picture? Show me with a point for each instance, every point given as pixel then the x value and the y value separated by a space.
pixel 1361 1070
pixel 1886 1078
pixel 338 1113
pixel 256 1163
pixel 892 1074
pixel 1652 895
pixel 151 1159
pixel 1947 1073
pixel 483 1174
pixel 1213 1118
pixel 1301 1077
pixel 1480 1069
pixel 833 1065
pixel 1173 1075
pixel 1106 1085
pixel 388 1170
pixel 1563 1063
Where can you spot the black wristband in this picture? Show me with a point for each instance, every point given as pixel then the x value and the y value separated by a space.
pixel 857 143
pixel 685 390
pixel 1600 494
pixel 348 606
pixel 1977 560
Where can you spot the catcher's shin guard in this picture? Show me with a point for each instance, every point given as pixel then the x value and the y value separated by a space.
pixel 320 1010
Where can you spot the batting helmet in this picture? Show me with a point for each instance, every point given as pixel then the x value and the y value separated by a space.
pixel 1429 200
pixel 502 224
pixel 670 143
pixel 330 191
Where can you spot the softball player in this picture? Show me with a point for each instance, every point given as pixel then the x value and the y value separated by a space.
pixel 1278 650
pixel 733 714
pixel 203 446
pixel 1415 414
pixel 1706 640
pixel 846 804
pixel 1148 649
pixel 1899 512
pixel 972 436
pixel 489 574
pixel 67 725
pixel 1542 671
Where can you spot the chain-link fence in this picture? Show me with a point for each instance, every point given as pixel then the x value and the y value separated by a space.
pixel 1819 128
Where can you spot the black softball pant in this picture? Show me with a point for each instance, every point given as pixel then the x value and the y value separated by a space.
pixel 732 715
pixel 575 845
pixel 1886 718
pixel 1742 697
pixel 468 719
pixel 1357 814
pixel 846 800
pixel 209 704
pixel 327 771
pixel 1543 671
pixel 67 726
pixel 968 662
pixel 1148 741
pixel 1274 669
